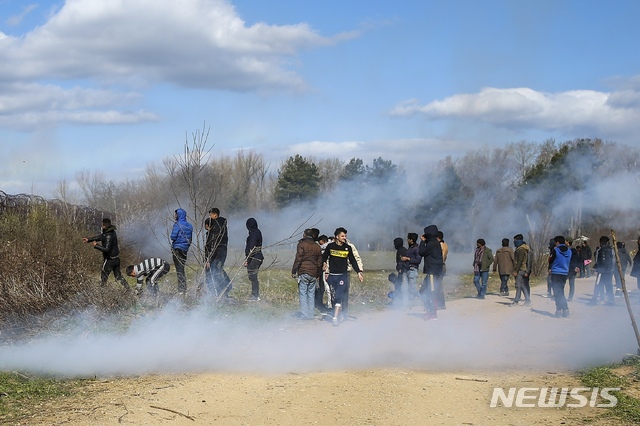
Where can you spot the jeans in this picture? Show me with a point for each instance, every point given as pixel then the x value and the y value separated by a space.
pixel 572 285
pixel 307 290
pixel 482 288
pixel 558 282
pixel 409 280
pixel 522 287
pixel 218 281
pixel 504 283
pixel 179 260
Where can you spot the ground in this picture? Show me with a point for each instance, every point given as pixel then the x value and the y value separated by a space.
pixel 383 368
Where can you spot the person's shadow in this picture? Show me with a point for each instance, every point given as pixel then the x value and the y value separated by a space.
pixel 543 313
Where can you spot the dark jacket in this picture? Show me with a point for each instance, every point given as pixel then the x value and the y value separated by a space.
pixel 253 247
pixel 401 251
pixel 413 252
pixel 604 260
pixel 575 262
pixel 635 269
pixel 339 258
pixel 217 236
pixel 181 232
pixel 586 253
pixel 308 258
pixel 431 251
pixel 108 243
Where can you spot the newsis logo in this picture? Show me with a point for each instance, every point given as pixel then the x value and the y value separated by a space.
pixel 554 397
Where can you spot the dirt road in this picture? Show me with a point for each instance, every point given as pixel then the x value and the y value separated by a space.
pixel 385 368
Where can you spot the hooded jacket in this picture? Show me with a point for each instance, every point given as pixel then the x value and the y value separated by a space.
pixel 560 260
pixel 521 256
pixel 181 232
pixel 401 251
pixel 431 251
pixel 253 248
pixel 308 258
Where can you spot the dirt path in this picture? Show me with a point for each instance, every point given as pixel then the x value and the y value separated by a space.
pixel 386 368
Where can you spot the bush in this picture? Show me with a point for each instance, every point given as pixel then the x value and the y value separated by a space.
pixel 45 269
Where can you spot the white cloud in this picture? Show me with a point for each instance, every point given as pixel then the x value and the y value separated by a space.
pixel 28 105
pixel 576 111
pixel 113 45
pixel 191 43
pixel 321 149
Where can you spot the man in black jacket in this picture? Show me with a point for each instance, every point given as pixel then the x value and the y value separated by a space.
pixel 431 252
pixel 215 251
pixel 110 252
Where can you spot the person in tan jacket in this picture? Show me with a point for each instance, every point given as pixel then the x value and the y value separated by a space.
pixel 504 265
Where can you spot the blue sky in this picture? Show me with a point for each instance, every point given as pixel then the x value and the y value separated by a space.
pixel 113 86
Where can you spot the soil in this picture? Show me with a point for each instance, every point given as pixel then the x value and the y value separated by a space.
pixel 383 368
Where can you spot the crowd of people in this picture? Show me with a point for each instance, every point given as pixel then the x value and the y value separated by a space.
pixel 322 266
pixel 150 270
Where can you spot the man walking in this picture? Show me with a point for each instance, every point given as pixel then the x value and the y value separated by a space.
pixel 307 268
pixel 604 268
pixel 482 260
pixel 110 252
pixel 504 261
pixel 180 243
pixel 521 262
pixel 337 256
pixel 559 263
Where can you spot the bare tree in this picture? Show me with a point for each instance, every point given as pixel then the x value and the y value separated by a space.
pixel 524 156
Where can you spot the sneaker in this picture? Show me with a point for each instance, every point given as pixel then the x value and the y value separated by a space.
pixel 335 322
pixel 527 303
pixel 430 316
pixel 514 303
pixel 506 293
pixel 565 313
pixel 253 299
pixel 558 313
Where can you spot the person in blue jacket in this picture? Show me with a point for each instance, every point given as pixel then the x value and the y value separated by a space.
pixel 559 264
pixel 180 243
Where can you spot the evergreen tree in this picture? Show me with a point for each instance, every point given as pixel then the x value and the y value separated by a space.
pixel 298 180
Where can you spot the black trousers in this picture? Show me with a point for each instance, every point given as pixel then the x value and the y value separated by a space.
pixel 110 265
pixel 252 270
pixel 179 260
